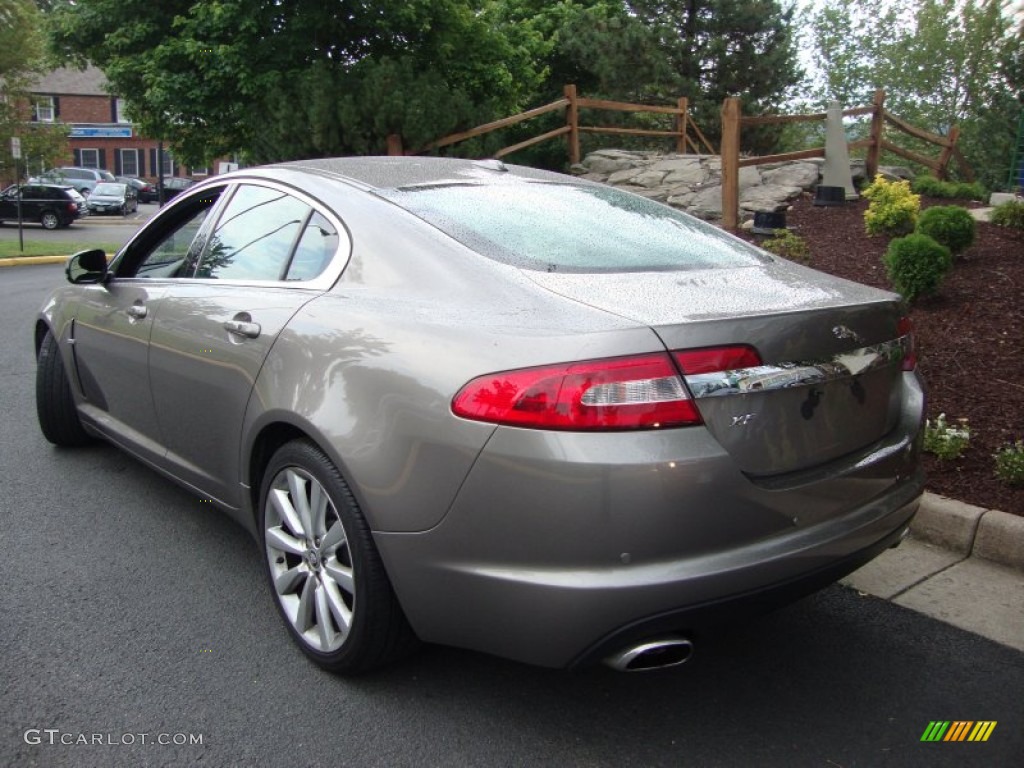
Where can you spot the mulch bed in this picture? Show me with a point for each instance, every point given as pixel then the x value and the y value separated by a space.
pixel 970 338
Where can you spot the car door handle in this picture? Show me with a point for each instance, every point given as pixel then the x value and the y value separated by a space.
pixel 240 328
pixel 137 311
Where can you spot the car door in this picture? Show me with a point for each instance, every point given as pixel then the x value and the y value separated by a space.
pixel 111 330
pixel 214 331
pixel 9 204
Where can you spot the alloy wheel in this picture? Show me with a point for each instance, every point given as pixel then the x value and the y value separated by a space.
pixel 310 560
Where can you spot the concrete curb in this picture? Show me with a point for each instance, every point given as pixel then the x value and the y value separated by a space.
pixel 970 531
pixel 22 261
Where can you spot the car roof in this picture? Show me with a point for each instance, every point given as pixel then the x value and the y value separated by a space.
pixel 396 172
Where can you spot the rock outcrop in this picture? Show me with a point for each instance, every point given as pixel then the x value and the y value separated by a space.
pixel 693 183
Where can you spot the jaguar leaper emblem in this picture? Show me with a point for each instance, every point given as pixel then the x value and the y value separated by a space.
pixel 842 332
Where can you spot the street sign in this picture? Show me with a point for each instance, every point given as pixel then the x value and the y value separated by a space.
pixel 15 147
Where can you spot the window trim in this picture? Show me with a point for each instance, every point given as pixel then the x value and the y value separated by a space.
pixel 321 283
pixel 132 153
pixel 84 162
pixel 50 105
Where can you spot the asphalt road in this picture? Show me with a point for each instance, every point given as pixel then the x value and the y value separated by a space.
pixel 128 607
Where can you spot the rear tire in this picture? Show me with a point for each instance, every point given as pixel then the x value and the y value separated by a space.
pixel 55 405
pixel 324 570
pixel 49 220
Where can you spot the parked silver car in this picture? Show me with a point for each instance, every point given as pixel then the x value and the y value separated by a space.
pixel 493 407
pixel 82 179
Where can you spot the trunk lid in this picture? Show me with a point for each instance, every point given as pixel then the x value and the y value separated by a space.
pixel 831 351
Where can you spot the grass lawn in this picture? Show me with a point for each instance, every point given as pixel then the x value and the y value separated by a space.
pixel 9 248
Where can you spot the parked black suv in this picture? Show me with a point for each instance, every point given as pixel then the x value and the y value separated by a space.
pixel 52 205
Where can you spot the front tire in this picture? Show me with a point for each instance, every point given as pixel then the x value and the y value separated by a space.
pixel 55 405
pixel 324 570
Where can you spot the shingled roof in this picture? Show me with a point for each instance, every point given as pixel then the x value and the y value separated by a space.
pixel 71 81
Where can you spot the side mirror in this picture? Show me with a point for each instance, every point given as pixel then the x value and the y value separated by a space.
pixel 87 267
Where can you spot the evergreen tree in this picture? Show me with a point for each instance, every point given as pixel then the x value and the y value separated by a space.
pixel 723 48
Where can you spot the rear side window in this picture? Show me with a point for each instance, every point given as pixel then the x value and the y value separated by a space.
pixel 573 228
pixel 254 236
pixel 316 248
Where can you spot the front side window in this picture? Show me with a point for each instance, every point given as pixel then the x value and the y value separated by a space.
pixel 173 250
pixel 254 236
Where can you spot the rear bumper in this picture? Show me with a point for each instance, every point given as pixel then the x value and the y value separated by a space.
pixel 561 546
pixel 560 617
pixel 748 604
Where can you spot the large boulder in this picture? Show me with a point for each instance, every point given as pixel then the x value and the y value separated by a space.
pixel 803 175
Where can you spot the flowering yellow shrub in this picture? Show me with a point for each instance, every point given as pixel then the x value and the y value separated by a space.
pixel 893 208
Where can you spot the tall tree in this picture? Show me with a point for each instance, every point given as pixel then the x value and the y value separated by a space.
pixel 294 78
pixel 941 62
pixel 21 62
pixel 722 48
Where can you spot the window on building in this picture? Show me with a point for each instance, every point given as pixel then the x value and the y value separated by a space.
pixel 44 109
pixel 167 163
pixel 121 111
pixel 199 171
pixel 90 158
pixel 129 162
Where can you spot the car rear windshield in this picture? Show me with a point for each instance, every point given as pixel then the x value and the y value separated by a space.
pixel 573 228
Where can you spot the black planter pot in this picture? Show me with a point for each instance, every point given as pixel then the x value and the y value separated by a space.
pixel 830 196
pixel 766 222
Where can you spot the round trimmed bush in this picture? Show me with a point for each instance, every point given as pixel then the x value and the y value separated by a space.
pixel 916 264
pixel 949 225
pixel 1009 214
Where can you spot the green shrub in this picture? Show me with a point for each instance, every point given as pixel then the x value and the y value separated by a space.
pixel 929 186
pixel 788 245
pixel 973 191
pixel 1010 463
pixel 949 225
pixel 945 441
pixel 892 209
pixel 1009 214
pixel 916 265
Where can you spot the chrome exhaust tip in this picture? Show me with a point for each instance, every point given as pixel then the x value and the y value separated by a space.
pixel 659 653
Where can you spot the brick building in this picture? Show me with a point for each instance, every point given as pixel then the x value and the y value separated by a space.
pixel 101 133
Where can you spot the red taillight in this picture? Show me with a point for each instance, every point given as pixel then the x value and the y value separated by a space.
pixel 642 392
pixel 905 328
pixel 713 359
pixel 72 207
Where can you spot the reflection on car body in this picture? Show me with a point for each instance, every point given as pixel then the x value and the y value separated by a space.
pixel 493 407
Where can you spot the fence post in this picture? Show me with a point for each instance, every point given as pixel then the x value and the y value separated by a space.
pixel 730 163
pixel 395 145
pixel 877 128
pixel 681 119
pixel 947 152
pixel 572 119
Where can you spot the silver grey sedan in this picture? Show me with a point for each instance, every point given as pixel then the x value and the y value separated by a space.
pixel 493 407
